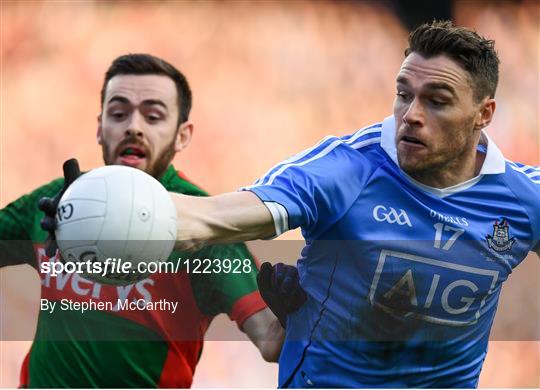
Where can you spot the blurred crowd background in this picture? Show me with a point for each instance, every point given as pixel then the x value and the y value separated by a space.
pixel 269 78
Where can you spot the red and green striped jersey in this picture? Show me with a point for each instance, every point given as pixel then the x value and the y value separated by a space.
pixel 124 348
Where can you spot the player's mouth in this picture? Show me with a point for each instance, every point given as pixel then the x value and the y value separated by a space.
pixel 132 156
pixel 411 142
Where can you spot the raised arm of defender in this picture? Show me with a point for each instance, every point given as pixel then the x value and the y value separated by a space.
pixel 221 219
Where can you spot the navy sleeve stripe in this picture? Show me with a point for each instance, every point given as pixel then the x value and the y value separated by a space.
pixel 322 153
pixel 523 168
pixel 366 142
pixel 532 173
pixel 294 158
pixel 324 147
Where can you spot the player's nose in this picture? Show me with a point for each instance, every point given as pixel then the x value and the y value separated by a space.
pixel 135 125
pixel 414 115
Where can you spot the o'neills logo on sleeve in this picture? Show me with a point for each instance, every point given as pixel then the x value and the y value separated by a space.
pixel 453 219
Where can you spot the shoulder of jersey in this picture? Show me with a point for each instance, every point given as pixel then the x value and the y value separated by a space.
pixel 367 143
pixel 361 140
pixel 527 174
pixel 524 181
pixel 366 136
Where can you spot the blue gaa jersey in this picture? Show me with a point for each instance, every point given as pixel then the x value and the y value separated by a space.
pixel 403 280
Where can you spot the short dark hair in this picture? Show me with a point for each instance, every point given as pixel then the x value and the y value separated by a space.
pixel 471 51
pixel 146 64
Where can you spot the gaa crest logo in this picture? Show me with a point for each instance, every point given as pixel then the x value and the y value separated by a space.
pixel 501 240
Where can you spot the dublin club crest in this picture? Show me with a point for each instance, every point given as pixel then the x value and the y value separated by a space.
pixel 500 241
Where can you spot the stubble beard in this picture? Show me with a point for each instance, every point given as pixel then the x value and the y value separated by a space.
pixel 438 164
pixel 155 169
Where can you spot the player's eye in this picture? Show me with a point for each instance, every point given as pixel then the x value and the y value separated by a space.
pixel 438 103
pixel 152 114
pixel 403 95
pixel 118 115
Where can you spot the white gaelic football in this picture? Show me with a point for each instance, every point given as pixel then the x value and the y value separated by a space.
pixel 116 212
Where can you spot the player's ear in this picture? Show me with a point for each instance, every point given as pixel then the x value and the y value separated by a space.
pixel 99 135
pixel 485 115
pixel 183 136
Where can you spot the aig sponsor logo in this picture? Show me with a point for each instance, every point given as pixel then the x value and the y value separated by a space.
pixel 431 290
pixel 391 215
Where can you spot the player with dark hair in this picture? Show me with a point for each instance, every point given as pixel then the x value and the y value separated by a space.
pixel 411 226
pixel 144 122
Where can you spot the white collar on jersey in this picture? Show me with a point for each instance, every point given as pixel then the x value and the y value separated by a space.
pixel 494 162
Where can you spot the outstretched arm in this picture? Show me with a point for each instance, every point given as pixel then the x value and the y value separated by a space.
pixel 221 219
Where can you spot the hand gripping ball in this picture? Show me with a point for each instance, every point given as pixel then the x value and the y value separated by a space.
pixel 117 213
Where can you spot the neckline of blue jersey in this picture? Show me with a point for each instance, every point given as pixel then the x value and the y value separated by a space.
pixel 494 163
